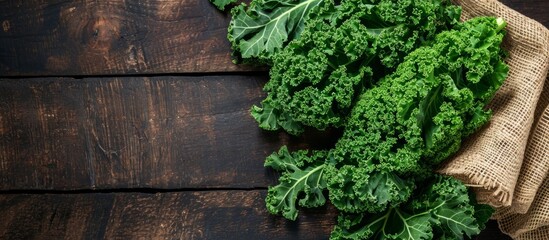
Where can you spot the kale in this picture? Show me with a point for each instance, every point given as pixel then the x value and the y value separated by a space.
pixel 397 133
pixel 316 79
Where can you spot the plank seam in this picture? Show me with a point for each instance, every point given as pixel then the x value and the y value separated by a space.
pixel 128 190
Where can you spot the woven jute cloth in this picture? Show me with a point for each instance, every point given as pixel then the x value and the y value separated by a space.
pixel 507 161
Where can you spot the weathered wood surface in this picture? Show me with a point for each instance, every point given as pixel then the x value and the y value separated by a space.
pixel 89 37
pixel 182 215
pixel 189 134
pixel 157 132
pixel 177 215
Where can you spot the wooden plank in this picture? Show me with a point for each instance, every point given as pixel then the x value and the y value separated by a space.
pixel 182 215
pixel 89 37
pixel 178 215
pixel 133 132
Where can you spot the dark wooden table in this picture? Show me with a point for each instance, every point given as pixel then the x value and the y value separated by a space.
pixel 127 120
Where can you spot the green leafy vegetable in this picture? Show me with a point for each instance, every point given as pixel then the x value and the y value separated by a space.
pixel 406 81
pixel 221 4
pixel 358 189
pixel 264 27
pixel 294 182
pixel 316 79
pixel 379 173
pixel 379 139
pixel 270 118
pixel 443 211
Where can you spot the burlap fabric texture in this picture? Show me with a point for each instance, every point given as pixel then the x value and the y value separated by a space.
pixel 507 161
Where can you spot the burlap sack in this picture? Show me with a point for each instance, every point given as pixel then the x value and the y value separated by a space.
pixel 507 161
pixel 528 215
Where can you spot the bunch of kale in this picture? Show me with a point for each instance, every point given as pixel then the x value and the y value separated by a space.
pixel 404 79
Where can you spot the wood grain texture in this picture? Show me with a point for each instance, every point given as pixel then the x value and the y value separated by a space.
pixel 89 37
pixel 159 132
pixel 191 133
pixel 177 215
pixel 181 215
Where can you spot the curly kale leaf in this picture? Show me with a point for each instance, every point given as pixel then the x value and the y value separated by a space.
pixel 221 4
pixel 391 224
pixel 272 119
pixel 266 25
pixel 305 86
pixel 302 181
pixel 454 211
pixel 358 189
pixel 476 54
pixel 285 161
pixel 442 211
pixel 417 116
pixel 316 78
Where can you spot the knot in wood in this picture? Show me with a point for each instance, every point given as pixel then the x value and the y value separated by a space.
pixel 102 33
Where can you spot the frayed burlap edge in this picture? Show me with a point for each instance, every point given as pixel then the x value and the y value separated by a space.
pixel 534 224
pixel 535 166
pixel 528 216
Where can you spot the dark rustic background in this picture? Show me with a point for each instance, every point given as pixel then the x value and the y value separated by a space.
pixel 127 119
